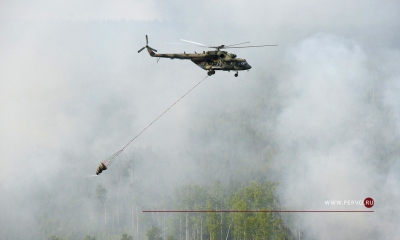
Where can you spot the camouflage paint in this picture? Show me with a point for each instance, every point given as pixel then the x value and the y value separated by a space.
pixel 215 60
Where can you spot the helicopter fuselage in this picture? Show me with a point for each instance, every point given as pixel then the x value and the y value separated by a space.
pixel 210 60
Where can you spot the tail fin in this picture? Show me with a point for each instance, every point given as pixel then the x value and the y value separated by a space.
pixel 150 50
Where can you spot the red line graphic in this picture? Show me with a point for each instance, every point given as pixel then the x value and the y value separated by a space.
pixel 253 211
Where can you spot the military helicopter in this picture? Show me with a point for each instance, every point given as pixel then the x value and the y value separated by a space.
pixel 210 60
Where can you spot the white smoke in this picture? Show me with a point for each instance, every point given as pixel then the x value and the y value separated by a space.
pixel 330 139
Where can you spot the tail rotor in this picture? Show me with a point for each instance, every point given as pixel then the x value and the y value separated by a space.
pixel 147 46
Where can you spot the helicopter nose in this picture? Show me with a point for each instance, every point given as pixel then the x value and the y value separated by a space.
pixel 248 66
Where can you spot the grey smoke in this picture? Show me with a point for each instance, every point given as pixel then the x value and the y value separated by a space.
pixel 73 91
pixel 336 135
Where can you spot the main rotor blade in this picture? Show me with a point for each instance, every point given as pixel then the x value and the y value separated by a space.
pixel 147 40
pixel 177 43
pixel 236 44
pixel 254 46
pixel 195 43
pixel 141 49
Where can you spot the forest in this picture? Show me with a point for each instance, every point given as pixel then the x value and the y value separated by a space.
pixel 120 199
pixel 232 154
pixel 116 215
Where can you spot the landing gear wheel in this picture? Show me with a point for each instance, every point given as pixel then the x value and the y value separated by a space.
pixel 211 72
pixel 236 74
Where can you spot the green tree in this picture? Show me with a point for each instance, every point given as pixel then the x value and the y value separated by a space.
pixel 101 194
pixel 154 233
pixel 171 237
pixel 88 237
pixel 125 236
pixel 250 225
pixel 213 219
pixel 54 237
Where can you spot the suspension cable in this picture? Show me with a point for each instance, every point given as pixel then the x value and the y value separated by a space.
pixel 112 158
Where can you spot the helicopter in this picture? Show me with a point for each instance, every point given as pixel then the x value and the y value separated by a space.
pixel 210 60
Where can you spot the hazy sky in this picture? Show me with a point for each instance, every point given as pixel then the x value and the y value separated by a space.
pixel 73 86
